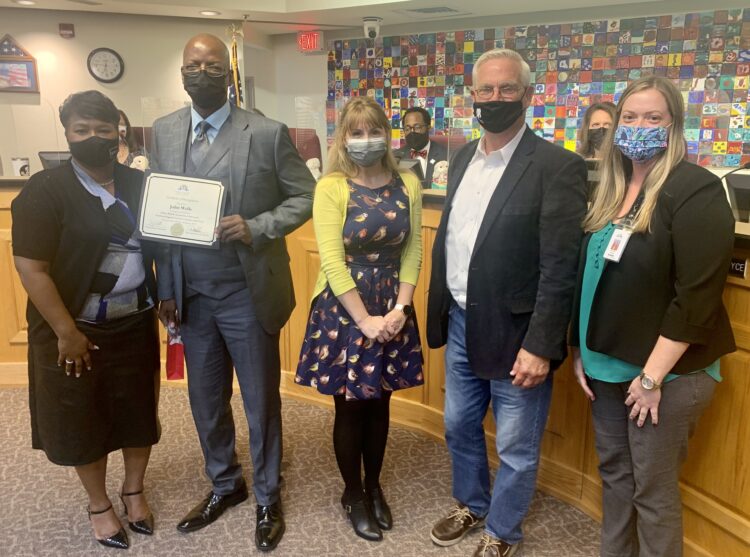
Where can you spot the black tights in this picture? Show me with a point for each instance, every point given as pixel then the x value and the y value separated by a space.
pixel 360 433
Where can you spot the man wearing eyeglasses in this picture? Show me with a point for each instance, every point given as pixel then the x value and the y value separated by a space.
pixel 230 303
pixel 503 272
pixel 416 123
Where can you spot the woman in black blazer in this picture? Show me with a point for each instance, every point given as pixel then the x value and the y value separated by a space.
pixel 93 343
pixel 649 325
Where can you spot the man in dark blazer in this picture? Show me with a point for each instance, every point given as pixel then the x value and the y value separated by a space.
pixel 231 302
pixel 416 123
pixel 503 275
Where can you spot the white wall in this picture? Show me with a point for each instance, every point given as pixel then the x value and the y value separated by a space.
pixel 151 48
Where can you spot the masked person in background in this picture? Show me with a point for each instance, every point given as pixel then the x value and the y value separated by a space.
pixel 130 153
pixel 230 303
pixel 649 325
pixel 416 123
pixel 503 274
pixel 597 121
pixel 362 341
pixel 93 338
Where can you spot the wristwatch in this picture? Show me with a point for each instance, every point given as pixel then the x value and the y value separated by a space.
pixel 648 382
pixel 404 308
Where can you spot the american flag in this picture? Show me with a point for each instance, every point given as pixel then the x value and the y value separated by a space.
pixel 18 75
pixel 9 47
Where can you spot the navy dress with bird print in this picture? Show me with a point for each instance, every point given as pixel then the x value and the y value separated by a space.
pixel 336 357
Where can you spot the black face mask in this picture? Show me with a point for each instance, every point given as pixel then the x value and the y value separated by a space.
pixel 596 137
pixel 497 116
pixel 416 140
pixel 95 151
pixel 206 91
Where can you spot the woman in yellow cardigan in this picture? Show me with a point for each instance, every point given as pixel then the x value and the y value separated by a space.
pixel 362 341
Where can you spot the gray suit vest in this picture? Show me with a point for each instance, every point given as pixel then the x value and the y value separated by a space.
pixel 215 273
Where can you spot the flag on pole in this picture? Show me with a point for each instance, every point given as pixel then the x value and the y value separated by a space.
pixel 235 87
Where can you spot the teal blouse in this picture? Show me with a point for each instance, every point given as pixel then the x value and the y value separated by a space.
pixel 597 365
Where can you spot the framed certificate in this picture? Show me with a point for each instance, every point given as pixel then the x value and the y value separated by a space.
pixel 181 210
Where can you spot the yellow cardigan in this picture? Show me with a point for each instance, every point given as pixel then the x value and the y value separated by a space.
pixel 329 215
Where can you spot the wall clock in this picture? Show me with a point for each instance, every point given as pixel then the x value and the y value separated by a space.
pixel 105 65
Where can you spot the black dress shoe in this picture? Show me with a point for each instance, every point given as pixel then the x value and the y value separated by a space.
pixel 118 540
pixel 362 520
pixel 211 508
pixel 269 527
pixel 144 526
pixel 379 508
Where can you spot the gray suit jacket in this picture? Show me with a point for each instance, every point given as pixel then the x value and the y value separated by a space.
pixel 270 187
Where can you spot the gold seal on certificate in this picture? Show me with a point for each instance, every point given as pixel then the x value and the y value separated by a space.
pixel 181 209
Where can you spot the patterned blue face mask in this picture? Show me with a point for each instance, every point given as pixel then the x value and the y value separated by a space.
pixel 641 144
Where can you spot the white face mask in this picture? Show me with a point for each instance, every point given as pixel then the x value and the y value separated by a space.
pixel 366 152
pixel 123 131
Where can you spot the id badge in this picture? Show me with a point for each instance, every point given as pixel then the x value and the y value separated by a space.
pixel 617 244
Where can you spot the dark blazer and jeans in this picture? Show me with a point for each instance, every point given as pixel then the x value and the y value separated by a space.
pixel 519 294
pixel 237 325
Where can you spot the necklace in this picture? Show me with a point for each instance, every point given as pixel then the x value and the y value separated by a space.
pixel 107 183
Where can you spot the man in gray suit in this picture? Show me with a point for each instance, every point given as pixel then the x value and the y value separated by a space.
pixel 231 303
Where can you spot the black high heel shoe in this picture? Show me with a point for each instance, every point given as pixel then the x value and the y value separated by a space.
pixel 379 508
pixel 118 540
pixel 362 521
pixel 144 526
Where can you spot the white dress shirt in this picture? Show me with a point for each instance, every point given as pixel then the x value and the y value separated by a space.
pixel 467 211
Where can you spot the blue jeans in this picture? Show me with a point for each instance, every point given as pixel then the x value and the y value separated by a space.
pixel 520 415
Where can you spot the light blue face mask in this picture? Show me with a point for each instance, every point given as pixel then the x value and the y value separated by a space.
pixel 641 144
pixel 366 152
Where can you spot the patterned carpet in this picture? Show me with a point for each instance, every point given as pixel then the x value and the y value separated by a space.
pixel 43 513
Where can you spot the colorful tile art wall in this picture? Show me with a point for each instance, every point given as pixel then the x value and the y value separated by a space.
pixel 572 66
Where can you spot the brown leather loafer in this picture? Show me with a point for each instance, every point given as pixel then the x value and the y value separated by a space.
pixel 452 529
pixel 493 547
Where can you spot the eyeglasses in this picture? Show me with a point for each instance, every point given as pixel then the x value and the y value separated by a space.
pixel 212 70
pixel 419 128
pixel 507 92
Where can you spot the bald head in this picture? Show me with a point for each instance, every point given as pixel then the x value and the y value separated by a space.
pixel 205 47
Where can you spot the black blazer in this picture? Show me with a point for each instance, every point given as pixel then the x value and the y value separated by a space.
pixel 669 281
pixel 437 153
pixel 56 220
pixel 523 269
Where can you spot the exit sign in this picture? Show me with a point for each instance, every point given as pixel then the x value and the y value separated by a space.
pixel 310 41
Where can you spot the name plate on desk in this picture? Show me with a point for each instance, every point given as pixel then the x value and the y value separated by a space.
pixel 738 268
pixel 181 210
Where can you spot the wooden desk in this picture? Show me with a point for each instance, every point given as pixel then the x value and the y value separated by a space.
pixel 715 480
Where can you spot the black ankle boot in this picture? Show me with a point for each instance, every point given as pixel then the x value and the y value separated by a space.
pixel 379 508
pixel 362 520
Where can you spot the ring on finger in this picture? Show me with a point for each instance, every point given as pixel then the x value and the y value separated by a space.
pixel 69 362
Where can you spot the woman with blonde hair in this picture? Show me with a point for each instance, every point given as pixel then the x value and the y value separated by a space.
pixel 597 121
pixel 362 341
pixel 648 322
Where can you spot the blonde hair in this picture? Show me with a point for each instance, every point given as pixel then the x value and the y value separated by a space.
pixel 616 169
pixel 359 111
pixel 525 73
pixel 585 148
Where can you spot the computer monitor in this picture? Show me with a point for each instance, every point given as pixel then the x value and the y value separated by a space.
pixel 738 187
pixel 53 159
pixel 414 165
